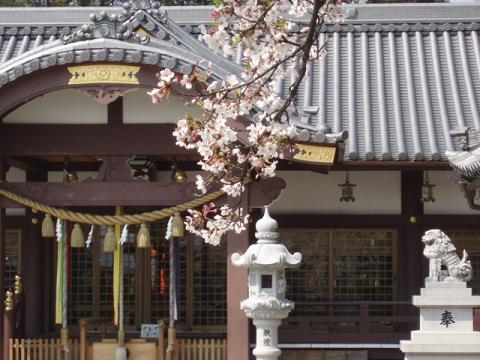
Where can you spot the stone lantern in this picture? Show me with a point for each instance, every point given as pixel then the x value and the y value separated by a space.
pixel 266 304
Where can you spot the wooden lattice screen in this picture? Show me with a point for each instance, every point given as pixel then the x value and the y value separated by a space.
pixel 209 276
pixel 470 241
pixel 202 280
pixel 342 264
pixel 12 265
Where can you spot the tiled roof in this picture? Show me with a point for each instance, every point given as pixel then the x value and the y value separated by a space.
pixel 398 78
pixel 397 88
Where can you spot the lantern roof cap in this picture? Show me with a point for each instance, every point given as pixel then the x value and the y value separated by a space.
pixel 266 224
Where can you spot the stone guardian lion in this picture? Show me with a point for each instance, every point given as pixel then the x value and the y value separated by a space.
pixel 440 251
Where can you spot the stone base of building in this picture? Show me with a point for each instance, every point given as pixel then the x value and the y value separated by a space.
pixel 446 324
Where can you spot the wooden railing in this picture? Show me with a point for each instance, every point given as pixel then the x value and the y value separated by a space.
pixel 200 349
pixel 51 349
pixel 42 349
pixel 350 322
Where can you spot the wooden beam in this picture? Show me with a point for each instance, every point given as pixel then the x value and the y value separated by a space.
pixel 115 112
pixel 26 164
pixel 55 78
pixel 93 140
pixel 135 193
pixel 302 221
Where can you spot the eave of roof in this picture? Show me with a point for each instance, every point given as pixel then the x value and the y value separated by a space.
pixel 398 77
pixel 359 14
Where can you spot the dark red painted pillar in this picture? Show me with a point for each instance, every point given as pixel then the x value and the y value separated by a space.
pixel 237 290
pixel 411 270
pixel 3 173
pixel 33 267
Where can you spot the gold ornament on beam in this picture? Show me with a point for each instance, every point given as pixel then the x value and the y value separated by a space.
pixel 143 237
pixel 9 302
pixel 178 228
pixel 178 176
pixel 109 243
pixel 48 228
pixel 18 286
pixel 78 240
pixel 347 189
pixel 427 189
pixel 103 74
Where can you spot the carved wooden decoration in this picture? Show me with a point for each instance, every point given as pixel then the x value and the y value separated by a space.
pixel 115 169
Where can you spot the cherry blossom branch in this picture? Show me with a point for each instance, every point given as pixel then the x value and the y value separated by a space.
pixel 273 38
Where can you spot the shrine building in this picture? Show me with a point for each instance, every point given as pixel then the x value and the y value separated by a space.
pixel 377 116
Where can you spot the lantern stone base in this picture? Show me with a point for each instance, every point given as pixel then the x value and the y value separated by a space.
pixel 446 324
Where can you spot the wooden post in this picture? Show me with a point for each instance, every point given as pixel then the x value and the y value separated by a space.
pixel 64 343
pixel 8 323
pixel 171 353
pixel 33 266
pixel 3 174
pixel 83 339
pixel 161 340
pixel 411 262
pixel 237 290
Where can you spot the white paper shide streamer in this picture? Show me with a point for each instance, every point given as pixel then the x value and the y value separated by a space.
pixel 89 241
pixel 124 235
pixel 58 230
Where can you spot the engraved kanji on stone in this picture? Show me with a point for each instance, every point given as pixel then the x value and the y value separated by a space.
pixel 447 318
pixel 266 332
pixel 267 342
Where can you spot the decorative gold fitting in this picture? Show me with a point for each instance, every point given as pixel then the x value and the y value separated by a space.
pixel 103 74
pixel 413 219
pixel 319 154
pixel 9 303
pixel 18 286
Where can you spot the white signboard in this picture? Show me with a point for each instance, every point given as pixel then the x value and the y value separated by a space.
pixel 149 331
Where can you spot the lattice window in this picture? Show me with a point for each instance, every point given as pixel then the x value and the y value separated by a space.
pixel 363 265
pixel 105 279
pixel 470 241
pixel 342 264
pixel 13 241
pixel 129 278
pixel 202 278
pixel 209 285
pixel 311 281
pixel 80 289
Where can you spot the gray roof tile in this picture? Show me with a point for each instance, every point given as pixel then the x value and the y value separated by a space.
pixel 398 78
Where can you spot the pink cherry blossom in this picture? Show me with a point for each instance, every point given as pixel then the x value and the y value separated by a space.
pixel 277 39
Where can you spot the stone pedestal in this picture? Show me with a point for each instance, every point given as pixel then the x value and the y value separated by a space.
pixel 446 324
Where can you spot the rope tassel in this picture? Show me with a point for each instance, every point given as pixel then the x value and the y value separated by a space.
pixel 48 228
pixel 78 240
pixel 178 228
pixel 109 243
pixel 143 237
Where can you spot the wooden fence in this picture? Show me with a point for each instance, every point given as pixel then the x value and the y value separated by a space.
pixel 200 349
pixel 42 349
pixel 51 349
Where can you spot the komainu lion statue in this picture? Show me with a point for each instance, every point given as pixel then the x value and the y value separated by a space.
pixel 440 251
